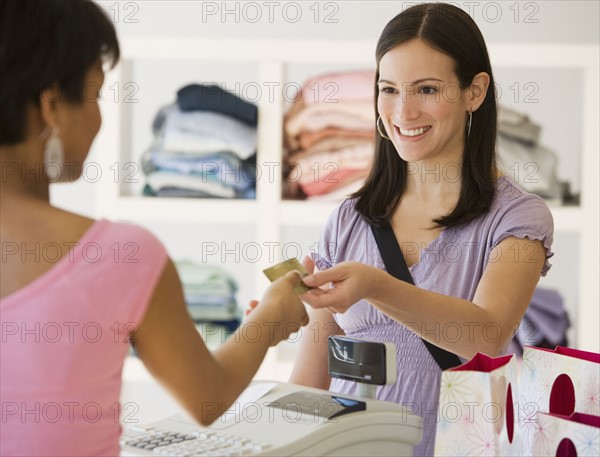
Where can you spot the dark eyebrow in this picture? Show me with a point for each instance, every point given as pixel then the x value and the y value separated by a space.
pixel 412 83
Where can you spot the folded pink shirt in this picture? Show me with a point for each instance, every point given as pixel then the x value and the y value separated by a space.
pixel 358 85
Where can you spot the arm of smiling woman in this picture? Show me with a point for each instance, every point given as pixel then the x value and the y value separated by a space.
pixel 206 383
pixel 487 323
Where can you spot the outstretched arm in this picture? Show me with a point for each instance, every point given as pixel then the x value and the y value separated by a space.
pixel 486 324
pixel 173 351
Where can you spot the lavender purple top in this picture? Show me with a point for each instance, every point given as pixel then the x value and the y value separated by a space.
pixel 452 264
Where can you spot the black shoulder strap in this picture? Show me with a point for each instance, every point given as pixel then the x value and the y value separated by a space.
pixel 396 266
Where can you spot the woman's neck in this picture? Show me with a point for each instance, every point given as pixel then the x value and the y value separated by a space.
pixel 23 175
pixel 434 180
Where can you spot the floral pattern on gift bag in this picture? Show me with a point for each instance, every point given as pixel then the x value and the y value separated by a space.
pixel 560 381
pixel 561 436
pixel 476 414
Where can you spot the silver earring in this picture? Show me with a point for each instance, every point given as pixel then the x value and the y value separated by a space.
pixel 379 129
pixel 54 156
pixel 469 124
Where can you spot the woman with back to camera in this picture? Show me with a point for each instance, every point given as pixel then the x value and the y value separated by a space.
pixel 474 242
pixel 74 290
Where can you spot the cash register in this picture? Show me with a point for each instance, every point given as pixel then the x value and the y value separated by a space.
pixel 282 419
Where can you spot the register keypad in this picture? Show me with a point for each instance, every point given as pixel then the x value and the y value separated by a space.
pixel 202 443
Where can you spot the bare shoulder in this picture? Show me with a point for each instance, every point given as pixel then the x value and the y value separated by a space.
pixel 75 225
pixel 40 222
pixel 27 228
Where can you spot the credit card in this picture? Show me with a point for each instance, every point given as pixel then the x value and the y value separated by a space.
pixel 277 271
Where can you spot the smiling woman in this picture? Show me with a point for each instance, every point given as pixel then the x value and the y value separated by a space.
pixel 474 244
pixel 432 70
pixel 425 116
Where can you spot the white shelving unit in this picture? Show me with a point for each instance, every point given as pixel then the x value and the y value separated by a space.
pixel 270 216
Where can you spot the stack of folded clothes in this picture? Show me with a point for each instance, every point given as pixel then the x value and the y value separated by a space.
pixel 209 293
pixel 204 146
pixel 328 136
pixel 525 160
pixel 545 323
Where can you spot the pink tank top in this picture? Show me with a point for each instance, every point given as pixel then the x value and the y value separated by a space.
pixel 64 341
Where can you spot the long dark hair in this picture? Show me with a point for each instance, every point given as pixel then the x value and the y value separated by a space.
pixel 451 31
pixel 43 43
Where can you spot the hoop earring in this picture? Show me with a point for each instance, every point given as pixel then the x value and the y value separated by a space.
pixel 379 129
pixel 53 156
pixel 469 124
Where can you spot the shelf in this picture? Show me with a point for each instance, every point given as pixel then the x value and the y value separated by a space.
pixel 218 211
pixel 169 48
pixel 357 51
pixel 302 213
pixel 306 213
pixel 186 210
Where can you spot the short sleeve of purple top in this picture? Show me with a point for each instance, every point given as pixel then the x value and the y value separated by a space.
pixel 452 264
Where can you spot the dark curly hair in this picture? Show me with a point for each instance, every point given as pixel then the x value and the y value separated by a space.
pixel 47 43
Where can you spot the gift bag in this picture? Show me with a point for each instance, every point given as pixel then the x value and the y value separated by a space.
pixel 561 436
pixel 560 381
pixel 476 411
